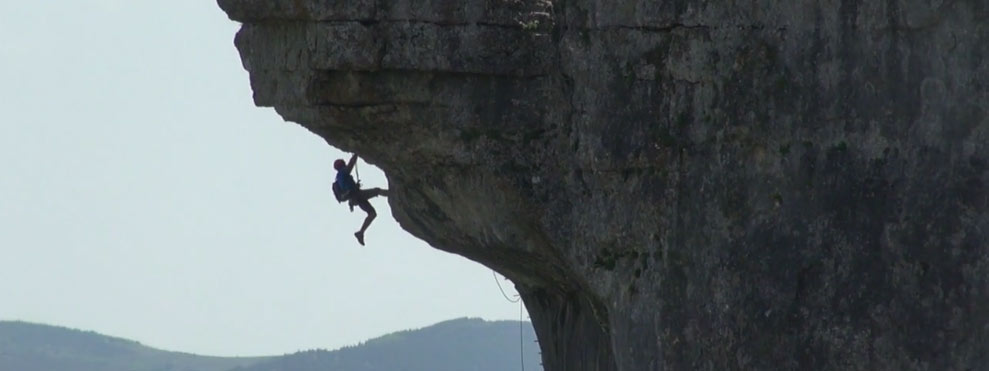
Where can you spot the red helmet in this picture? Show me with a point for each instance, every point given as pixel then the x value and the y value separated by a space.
pixel 339 164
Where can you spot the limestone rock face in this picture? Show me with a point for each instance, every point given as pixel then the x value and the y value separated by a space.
pixel 674 184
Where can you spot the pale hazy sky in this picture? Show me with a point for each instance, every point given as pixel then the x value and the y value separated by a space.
pixel 143 195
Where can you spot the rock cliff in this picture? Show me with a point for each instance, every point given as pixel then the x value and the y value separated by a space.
pixel 674 184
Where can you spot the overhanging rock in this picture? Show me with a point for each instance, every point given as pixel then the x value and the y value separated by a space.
pixel 674 185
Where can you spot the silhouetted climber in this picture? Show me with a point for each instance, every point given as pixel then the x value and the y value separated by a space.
pixel 346 189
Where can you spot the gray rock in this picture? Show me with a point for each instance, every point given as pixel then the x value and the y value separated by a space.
pixel 674 185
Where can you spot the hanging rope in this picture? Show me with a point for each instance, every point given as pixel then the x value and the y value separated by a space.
pixel 518 299
pixel 521 339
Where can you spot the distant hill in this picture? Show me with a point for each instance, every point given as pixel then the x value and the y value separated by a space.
pixel 456 345
pixel 32 347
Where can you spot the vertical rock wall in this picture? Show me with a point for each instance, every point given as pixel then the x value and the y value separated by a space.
pixel 674 185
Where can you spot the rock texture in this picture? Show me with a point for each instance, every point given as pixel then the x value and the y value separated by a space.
pixel 674 184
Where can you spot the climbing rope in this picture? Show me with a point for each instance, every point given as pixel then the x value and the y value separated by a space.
pixel 518 299
pixel 521 339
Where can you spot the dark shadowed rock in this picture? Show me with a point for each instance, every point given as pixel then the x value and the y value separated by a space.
pixel 674 185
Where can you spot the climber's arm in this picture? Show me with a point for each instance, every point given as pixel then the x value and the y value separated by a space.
pixel 351 163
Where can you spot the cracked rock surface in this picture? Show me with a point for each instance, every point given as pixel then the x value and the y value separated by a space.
pixel 674 185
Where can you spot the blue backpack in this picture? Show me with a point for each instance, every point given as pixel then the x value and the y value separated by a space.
pixel 343 193
pixel 340 194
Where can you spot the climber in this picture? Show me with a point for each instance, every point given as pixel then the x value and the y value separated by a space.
pixel 346 189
